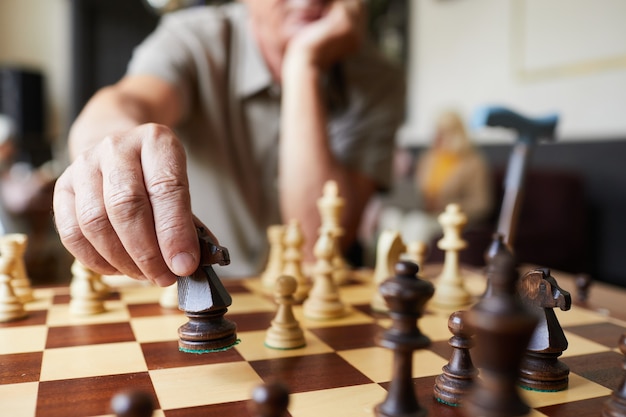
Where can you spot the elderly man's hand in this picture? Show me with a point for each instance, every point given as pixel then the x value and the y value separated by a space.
pixel 339 32
pixel 123 206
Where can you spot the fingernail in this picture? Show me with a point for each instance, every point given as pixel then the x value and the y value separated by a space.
pixel 183 264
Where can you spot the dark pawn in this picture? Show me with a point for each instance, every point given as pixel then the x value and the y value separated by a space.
pixel 459 373
pixel 503 326
pixel 132 404
pixel 405 295
pixel 583 284
pixel 269 400
pixel 616 405
pixel 541 370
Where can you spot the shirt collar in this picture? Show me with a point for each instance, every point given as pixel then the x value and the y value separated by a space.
pixel 253 74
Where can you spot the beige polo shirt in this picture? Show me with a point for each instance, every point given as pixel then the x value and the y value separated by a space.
pixel 232 118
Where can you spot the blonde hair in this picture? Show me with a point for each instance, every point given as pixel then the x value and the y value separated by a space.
pixel 451 134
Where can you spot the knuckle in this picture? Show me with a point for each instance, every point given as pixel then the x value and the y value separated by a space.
pixel 110 143
pixel 85 162
pixel 71 236
pixel 172 225
pixel 160 136
pixel 125 194
pixel 125 205
pixel 92 219
pixel 166 186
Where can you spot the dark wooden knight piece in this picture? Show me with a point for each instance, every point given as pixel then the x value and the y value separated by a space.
pixel 541 370
pixel 204 300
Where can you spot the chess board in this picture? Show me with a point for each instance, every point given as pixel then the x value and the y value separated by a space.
pixel 54 364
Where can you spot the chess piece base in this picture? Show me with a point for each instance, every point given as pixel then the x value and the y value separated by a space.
pixel 543 372
pixel 450 296
pixel 11 315
pixel 450 391
pixel 207 331
pixel 320 310
pixel 86 307
pixel 278 340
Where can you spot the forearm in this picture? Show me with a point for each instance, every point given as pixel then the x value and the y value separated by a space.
pixel 306 160
pixel 121 107
pixel 106 113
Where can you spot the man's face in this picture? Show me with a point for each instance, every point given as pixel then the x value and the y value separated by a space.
pixel 280 20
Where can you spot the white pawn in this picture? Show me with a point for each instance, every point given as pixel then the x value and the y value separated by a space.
pixel 389 249
pixel 450 291
pixel 13 245
pixel 285 331
pixel 11 308
pixel 323 301
pixel 85 299
pixel 416 251
pixel 292 259
pixel 330 207
pixel 274 266
pixel 101 287
pixel 169 296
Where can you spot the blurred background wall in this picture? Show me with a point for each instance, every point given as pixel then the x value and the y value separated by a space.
pixel 536 55
pixel 539 56
pixel 35 35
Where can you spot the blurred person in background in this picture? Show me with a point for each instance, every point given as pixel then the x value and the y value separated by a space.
pixel 451 170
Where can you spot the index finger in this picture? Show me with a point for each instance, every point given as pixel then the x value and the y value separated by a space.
pixel 147 201
pixel 168 191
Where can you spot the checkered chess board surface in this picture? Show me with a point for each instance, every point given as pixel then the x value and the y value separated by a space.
pixel 55 364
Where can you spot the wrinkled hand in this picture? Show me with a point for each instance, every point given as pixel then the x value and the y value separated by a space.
pixel 339 32
pixel 123 206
